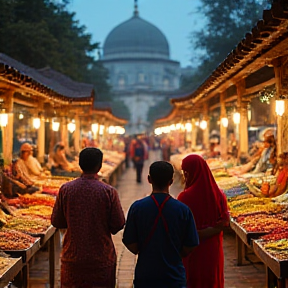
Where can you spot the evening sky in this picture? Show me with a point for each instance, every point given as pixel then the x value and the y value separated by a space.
pixel 175 18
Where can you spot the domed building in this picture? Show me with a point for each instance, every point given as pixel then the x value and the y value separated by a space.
pixel 136 53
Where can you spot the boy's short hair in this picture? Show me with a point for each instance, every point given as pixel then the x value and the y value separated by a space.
pixel 161 173
pixel 90 159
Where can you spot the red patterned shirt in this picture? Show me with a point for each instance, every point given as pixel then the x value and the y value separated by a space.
pixel 91 212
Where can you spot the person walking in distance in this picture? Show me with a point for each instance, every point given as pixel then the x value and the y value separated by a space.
pixel 138 157
pixel 161 230
pixel 90 210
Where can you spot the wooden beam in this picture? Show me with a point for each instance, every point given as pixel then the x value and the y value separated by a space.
pixel 259 87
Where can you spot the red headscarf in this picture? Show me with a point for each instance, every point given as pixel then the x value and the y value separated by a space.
pixel 201 193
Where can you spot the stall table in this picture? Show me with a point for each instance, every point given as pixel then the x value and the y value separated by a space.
pixel 11 271
pixel 274 267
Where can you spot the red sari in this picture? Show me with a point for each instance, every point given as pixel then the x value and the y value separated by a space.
pixel 205 265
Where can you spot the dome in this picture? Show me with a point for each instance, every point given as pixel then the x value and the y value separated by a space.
pixel 136 38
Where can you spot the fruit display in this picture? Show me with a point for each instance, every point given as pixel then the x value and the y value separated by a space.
pixel 239 189
pixel 278 248
pixel 37 199
pixel 254 205
pixel 38 210
pixel 6 263
pixel 28 224
pixel 15 240
pixel 227 182
pixel 262 223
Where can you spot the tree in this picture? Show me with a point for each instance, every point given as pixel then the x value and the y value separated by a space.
pixel 226 24
pixel 42 33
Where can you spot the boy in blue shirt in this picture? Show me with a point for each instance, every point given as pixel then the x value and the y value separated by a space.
pixel 161 230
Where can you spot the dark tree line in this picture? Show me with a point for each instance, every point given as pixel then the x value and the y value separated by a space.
pixel 41 33
pixel 227 22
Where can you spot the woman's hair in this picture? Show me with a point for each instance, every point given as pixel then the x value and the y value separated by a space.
pixel 90 159
pixel 161 173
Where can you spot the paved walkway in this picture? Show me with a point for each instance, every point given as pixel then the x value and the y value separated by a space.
pixel 250 275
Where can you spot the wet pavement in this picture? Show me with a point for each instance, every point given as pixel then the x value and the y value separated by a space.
pixel 250 275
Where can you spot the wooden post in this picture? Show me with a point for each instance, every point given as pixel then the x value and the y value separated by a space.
pixel 77 135
pixel 206 132
pixel 194 134
pixel 7 135
pixel 41 136
pixel 242 109
pixel 281 77
pixel 223 130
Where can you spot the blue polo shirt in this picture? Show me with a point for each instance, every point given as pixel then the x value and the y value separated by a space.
pixel 159 263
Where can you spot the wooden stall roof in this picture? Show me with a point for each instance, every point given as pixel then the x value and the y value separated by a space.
pixel 17 75
pixel 102 108
pixel 261 45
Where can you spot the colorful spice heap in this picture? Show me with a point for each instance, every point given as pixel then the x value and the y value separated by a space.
pixel 253 206
pixel 38 210
pixel 15 240
pixel 28 224
pixel 278 249
pixel 6 262
pixel 262 223
pixel 37 199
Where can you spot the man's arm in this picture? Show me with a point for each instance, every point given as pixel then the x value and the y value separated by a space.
pixel 186 251
pixel 133 247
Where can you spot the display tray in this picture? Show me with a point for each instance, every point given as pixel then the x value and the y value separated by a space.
pixel 45 236
pixel 11 271
pixel 245 236
pixel 279 267
pixel 26 254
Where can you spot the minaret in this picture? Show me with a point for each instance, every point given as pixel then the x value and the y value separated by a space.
pixel 136 12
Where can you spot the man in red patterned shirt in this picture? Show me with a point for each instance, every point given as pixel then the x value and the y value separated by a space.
pixel 90 210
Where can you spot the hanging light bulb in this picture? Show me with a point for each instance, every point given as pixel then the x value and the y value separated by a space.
pixel 21 116
pixel 36 123
pixel 3 119
pixel 224 122
pixel 94 127
pixel 71 126
pixel 280 107
pixel 203 124
pixel 111 129
pixel 236 118
pixel 101 129
pixel 188 127
pixel 55 125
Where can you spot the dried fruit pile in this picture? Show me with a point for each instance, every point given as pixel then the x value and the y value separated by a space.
pixel 38 210
pixel 262 223
pixel 28 224
pixel 15 240
pixel 278 248
pixel 37 199
pixel 253 206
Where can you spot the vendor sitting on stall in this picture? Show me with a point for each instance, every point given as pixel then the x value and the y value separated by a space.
pixel 264 159
pixel 60 165
pixel 33 166
pixel 24 183
pixel 280 186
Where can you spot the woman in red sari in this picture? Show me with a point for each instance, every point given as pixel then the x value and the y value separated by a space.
pixel 205 265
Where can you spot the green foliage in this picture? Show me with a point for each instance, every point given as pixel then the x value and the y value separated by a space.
pixel 43 33
pixel 227 22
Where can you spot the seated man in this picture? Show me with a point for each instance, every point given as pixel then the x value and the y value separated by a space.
pixel 20 172
pixel 61 166
pixel 33 166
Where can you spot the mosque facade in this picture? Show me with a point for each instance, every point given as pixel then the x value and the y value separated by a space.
pixel 137 56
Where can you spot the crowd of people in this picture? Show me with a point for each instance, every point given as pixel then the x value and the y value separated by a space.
pixel 178 241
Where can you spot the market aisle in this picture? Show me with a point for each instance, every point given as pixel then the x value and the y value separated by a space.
pixel 247 276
